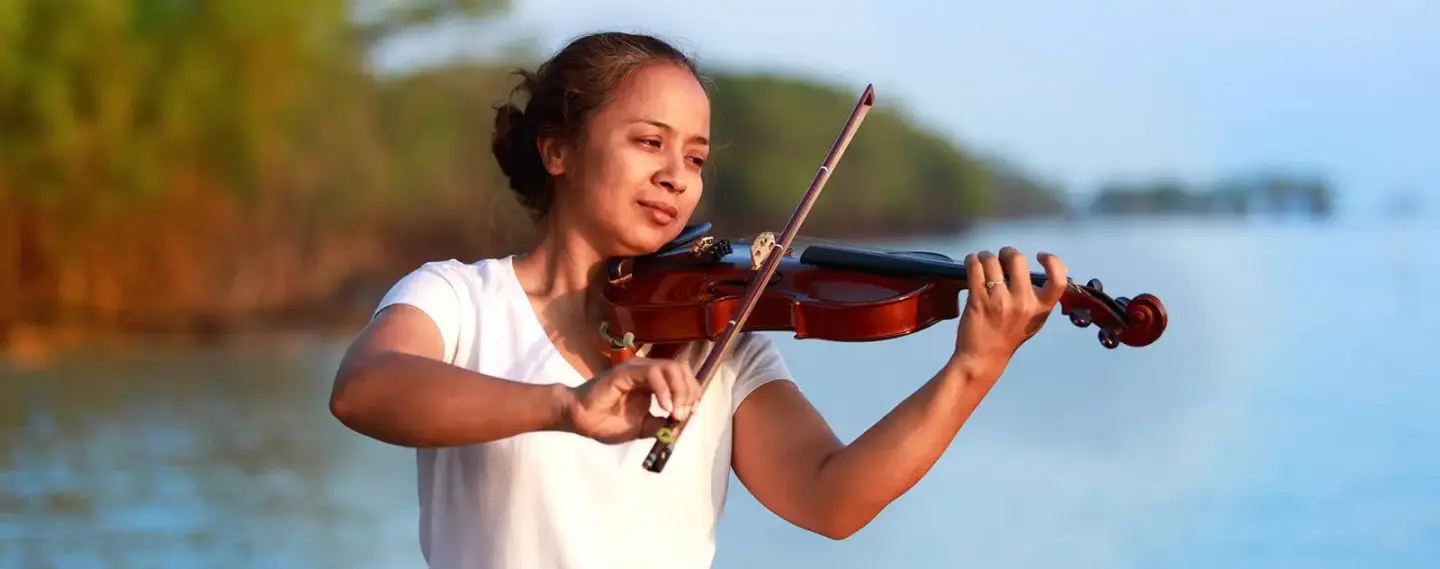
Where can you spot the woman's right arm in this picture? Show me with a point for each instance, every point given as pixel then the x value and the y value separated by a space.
pixel 393 386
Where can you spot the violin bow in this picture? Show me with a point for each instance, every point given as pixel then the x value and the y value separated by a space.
pixel 766 254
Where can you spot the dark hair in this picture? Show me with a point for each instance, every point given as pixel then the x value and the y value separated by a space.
pixel 562 94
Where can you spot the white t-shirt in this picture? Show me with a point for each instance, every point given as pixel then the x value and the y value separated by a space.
pixel 557 500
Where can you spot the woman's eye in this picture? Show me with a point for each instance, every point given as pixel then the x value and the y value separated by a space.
pixel 650 142
pixel 699 161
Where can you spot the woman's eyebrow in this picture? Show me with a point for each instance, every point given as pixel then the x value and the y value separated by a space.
pixel 668 128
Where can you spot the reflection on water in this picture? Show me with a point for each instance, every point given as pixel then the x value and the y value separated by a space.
pixel 200 458
pixel 1283 419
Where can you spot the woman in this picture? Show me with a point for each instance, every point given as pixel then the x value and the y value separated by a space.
pixel 531 444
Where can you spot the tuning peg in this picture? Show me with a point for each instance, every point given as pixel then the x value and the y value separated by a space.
pixel 1095 284
pixel 1109 339
pixel 1080 318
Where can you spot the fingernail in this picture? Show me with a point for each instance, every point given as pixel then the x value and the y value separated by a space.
pixel 683 412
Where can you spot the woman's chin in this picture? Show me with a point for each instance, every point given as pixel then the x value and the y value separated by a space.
pixel 639 241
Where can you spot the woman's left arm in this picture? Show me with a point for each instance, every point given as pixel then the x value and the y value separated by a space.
pixel 792 462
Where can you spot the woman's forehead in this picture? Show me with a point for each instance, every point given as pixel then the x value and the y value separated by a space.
pixel 665 96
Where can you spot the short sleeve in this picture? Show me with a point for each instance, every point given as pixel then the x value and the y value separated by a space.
pixel 757 362
pixel 430 289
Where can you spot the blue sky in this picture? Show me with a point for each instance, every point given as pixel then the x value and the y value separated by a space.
pixel 1082 92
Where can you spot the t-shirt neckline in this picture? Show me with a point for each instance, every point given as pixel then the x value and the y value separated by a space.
pixel 573 377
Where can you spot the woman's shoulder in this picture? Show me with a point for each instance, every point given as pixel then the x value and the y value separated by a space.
pixel 456 266
pixel 462 273
pixel 756 351
pixel 453 279
pixel 753 360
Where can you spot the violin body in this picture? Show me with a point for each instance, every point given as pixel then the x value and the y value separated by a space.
pixel 693 287
pixel 693 294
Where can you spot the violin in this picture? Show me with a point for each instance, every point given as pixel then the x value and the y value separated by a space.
pixel 691 289
pixel 702 288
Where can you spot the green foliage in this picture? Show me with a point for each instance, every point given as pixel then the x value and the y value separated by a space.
pixel 232 155
pixel 379 21
pixel 108 102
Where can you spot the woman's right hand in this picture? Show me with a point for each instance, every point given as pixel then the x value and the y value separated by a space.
pixel 614 406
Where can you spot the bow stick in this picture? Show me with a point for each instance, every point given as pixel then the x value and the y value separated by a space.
pixel 769 252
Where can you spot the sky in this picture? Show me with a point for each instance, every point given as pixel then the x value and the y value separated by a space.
pixel 1080 93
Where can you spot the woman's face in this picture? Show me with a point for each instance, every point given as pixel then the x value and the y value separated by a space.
pixel 634 178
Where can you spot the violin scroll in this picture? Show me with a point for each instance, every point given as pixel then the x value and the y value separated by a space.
pixel 1135 322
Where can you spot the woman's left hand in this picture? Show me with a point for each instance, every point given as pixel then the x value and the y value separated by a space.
pixel 1002 313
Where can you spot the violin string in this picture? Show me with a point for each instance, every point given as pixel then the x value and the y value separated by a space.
pixel 807 240
pixel 802 241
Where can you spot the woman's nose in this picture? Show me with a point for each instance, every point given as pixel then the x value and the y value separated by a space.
pixel 669 177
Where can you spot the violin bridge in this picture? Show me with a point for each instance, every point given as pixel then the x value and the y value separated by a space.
pixel 760 248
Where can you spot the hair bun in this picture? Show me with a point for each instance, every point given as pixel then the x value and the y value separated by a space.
pixel 514 147
pixel 509 136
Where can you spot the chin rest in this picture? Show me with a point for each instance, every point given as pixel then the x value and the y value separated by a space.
pixel 618 268
pixel 686 238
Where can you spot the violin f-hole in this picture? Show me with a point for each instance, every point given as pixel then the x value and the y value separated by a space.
pixel 735 287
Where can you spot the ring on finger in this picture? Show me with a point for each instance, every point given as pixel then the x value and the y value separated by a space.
pixel 992 284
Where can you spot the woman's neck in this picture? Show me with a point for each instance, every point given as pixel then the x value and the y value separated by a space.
pixel 558 273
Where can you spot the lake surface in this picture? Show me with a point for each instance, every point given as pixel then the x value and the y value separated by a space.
pixel 1288 418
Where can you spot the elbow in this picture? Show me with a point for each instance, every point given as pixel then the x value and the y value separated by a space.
pixel 348 399
pixel 841 529
pixel 353 394
pixel 360 416
pixel 839 534
pixel 360 401
pixel 343 405
pixel 839 523
pixel 839 510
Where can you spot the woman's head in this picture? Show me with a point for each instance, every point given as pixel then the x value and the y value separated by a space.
pixel 610 142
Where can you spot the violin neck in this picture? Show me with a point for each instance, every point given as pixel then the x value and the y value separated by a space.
pixel 898 264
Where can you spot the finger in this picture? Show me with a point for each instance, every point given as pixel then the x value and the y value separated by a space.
pixel 625 377
pixel 1015 266
pixel 1057 275
pixel 660 385
pixel 975 276
pixel 993 273
pixel 692 382
pixel 683 389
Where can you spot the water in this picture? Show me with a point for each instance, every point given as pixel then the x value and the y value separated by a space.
pixel 1285 419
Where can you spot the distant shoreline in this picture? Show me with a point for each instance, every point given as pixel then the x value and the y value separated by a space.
pixel 29 346
pixel 30 342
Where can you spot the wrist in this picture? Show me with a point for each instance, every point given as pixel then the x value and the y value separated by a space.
pixel 969 367
pixel 562 400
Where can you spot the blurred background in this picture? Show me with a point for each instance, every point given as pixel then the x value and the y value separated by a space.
pixel 200 203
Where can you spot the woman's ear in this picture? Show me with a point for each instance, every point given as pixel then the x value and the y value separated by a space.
pixel 553 152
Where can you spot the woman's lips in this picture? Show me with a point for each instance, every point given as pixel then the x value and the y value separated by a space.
pixel 661 213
